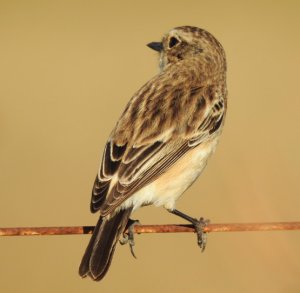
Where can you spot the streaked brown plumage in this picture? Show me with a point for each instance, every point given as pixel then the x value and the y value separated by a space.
pixel 162 140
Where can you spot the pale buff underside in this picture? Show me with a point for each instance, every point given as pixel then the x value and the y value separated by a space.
pixel 165 190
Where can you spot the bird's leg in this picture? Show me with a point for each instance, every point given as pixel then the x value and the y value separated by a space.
pixel 128 237
pixel 199 226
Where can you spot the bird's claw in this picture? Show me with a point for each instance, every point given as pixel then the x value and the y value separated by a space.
pixel 128 237
pixel 201 234
pixel 199 226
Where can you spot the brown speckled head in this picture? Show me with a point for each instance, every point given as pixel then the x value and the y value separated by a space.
pixel 190 42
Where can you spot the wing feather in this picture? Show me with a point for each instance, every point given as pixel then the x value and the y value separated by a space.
pixel 127 167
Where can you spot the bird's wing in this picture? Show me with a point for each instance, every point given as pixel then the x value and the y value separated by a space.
pixel 130 164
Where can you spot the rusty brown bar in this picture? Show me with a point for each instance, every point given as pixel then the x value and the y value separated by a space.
pixel 233 227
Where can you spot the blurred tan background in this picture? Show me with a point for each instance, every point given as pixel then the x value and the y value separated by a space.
pixel 67 70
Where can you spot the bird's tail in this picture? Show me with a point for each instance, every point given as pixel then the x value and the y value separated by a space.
pixel 99 252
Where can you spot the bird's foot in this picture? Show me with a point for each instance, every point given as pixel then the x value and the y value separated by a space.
pixel 199 226
pixel 128 237
pixel 201 234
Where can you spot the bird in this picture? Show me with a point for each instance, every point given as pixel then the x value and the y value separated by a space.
pixel 161 142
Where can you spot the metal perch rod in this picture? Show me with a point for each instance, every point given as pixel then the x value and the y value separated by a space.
pixel 172 228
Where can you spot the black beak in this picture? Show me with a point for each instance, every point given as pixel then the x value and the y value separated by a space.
pixel 156 46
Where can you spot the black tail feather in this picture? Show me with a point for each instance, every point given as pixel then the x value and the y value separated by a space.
pixel 85 262
pixel 99 252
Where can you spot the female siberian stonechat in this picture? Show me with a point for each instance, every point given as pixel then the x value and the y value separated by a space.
pixel 162 141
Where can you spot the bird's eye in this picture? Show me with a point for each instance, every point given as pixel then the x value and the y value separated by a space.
pixel 173 41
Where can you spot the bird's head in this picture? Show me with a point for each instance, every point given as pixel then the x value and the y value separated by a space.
pixel 186 42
